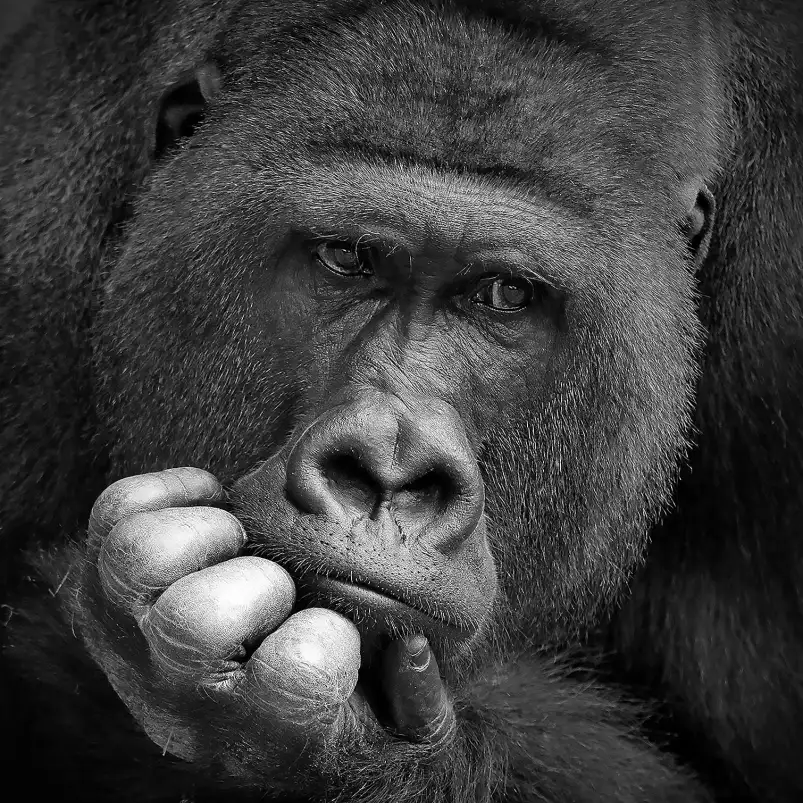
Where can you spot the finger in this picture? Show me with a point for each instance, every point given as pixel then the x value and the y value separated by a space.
pixel 417 697
pixel 174 487
pixel 203 625
pixel 304 673
pixel 146 552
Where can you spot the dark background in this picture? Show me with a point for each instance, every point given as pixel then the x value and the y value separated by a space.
pixel 12 14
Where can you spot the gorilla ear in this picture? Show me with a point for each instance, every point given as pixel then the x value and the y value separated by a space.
pixel 184 106
pixel 699 220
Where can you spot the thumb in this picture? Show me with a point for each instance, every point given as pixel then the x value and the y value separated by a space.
pixel 417 698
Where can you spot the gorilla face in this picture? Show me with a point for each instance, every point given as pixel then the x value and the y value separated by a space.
pixel 434 327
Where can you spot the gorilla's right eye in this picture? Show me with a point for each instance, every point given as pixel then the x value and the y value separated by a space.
pixel 344 259
pixel 505 294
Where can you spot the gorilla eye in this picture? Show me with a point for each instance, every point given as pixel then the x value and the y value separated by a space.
pixel 505 294
pixel 344 259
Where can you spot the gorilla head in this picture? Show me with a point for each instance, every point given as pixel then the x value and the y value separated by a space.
pixel 447 313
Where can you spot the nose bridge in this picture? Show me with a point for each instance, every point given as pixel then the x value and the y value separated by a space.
pixel 405 357
pixel 394 430
pixel 370 428
pixel 402 438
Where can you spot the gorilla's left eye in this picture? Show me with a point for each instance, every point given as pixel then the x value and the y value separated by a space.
pixel 344 259
pixel 505 294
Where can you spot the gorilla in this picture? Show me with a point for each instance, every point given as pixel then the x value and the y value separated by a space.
pixel 401 401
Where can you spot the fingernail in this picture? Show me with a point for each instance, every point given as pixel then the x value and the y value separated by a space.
pixel 419 652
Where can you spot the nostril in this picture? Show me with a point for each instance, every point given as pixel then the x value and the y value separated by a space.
pixel 430 493
pixel 351 484
pixel 357 488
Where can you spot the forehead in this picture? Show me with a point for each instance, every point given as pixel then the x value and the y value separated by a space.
pixel 569 108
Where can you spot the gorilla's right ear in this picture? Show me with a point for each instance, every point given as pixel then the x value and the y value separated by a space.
pixel 698 221
pixel 183 107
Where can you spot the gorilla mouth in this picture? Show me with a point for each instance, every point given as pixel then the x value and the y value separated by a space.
pixel 387 593
pixel 379 614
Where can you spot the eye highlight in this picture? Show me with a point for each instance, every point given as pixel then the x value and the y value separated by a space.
pixel 505 294
pixel 344 259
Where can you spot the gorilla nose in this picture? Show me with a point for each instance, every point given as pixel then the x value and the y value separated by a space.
pixel 378 456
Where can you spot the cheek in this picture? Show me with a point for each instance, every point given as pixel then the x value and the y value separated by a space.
pixel 507 383
pixel 212 385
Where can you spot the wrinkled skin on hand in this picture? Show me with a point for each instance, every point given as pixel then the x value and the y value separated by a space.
pixel 189 632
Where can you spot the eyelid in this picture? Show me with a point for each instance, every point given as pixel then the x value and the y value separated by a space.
pixel 489 278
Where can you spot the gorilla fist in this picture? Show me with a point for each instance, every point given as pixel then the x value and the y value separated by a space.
pixel 204 647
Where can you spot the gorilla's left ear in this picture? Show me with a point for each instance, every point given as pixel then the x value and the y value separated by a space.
pixel 699 220
pixel 184 105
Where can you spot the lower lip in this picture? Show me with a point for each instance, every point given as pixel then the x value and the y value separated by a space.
pixel 373 601
pixel 376 615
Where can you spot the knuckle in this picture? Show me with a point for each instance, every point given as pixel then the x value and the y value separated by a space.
pixel 127 557
pixel 117 563
pixel 298 692
pixel 246 582
pixel 314 656
pixel 126 497
pixel 127 532
pixel 249 594
pixel 278 577
pixel 337 634
pixel 186 485
pixel 146 552
pixel 175 647
pixel 439 727
pixel 203 620
pixel 149 492
pixel 214 525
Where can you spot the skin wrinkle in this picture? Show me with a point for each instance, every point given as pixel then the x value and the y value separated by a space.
pixel 131 545
pixel 160 642
pixel 169 487
pixel 501 228
pixel 280 555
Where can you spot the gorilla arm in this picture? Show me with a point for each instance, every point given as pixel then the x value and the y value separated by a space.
pixel 200 645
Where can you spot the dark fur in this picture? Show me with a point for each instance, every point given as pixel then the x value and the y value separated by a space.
pixel 710 628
